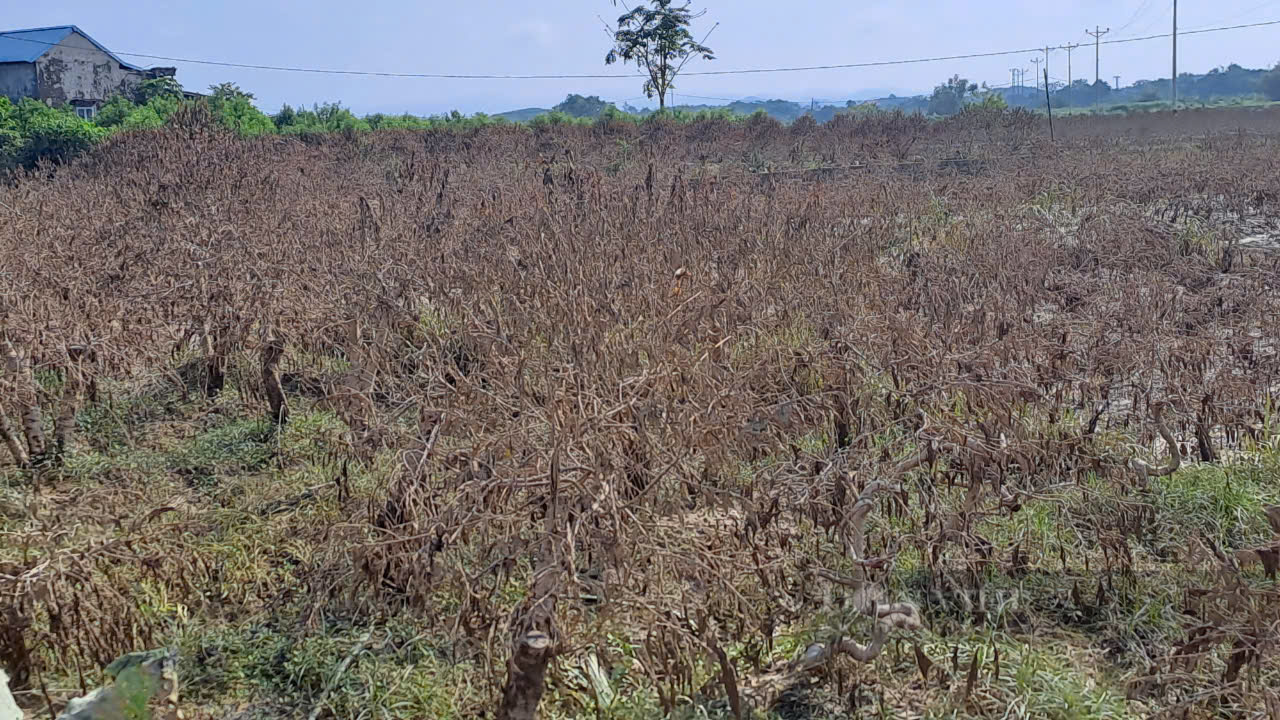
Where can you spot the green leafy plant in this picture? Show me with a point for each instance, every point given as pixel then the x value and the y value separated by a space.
pixel 114 112
pixel 235 110
pixel 32 131
pixel 158 87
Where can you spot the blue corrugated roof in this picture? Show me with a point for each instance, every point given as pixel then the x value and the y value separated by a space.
pixel 29 45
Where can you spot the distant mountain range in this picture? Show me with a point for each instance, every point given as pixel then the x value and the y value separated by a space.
pixel 1231 81
pixel 785 110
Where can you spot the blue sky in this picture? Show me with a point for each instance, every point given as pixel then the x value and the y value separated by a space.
pixel 566 36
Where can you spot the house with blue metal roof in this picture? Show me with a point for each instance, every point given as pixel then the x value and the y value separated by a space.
pixel 63 65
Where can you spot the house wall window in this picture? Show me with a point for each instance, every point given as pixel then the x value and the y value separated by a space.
pixel 87 112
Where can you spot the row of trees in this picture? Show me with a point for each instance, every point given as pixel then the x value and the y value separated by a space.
pixel 157 100
pixel 951 96
pixel 31 131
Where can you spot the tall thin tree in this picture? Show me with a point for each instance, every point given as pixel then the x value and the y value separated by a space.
pixel 657 39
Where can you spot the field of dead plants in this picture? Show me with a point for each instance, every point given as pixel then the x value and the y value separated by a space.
pixel 883 418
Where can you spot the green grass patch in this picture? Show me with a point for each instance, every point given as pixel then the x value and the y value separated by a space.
pixel 229 448
pixel 1017 678
pixel 396 673
pixel 1225 502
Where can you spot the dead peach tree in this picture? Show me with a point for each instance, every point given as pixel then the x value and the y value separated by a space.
pixel 29 443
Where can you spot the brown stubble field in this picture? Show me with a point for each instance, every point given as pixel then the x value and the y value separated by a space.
pixel 864 419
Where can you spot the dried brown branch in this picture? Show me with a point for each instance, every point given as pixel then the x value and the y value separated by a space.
pixel 1145 470
pixel 624 396
pixel 14 442
pixel 27 397
pixel 272 351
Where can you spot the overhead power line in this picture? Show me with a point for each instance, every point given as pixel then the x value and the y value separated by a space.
pixel 1159 18
pixel 1141 9
pixel 603 76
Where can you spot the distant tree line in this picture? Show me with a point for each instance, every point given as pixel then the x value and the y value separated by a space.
pixel 31 131
pixel 1229 83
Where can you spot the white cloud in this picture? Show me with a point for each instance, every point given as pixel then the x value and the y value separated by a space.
pixel 535 32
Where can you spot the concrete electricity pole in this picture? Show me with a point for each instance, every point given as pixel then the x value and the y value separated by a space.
pixel 1037 62
pixel 1097 34
pixel 1117 85
pixel 1175 56
pixel 1070 80
pixel 1013 81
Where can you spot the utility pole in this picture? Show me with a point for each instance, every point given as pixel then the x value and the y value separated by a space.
pixel 1070 80
pixel 1097 34
pixel 1117 85
pixel 1048 104
pixel 1037 62
pixel 1046 64
pixel 1175 56
pixel 1013 81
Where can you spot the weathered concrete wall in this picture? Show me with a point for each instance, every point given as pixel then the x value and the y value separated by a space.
pixel 17 80
pixel 76 70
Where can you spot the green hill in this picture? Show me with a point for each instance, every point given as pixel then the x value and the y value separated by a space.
pixel 523 115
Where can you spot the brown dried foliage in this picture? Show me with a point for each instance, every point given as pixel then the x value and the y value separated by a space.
pixel 619 367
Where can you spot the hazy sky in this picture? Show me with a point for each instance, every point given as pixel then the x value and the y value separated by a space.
pixel 567 37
